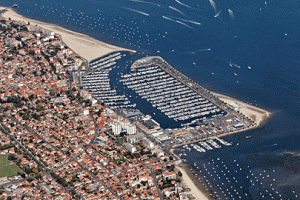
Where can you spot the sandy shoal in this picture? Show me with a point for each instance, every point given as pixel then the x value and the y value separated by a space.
pixel 258 115
pixel 85 46
pixel 188 182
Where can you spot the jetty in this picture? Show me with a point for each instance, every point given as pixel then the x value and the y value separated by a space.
pixel 98 82
pixel 171 92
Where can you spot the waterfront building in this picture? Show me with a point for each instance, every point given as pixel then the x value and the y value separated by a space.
pixel 151 123
pixel 116 128
pixel 131 130
pixel 239 125
pixel 125 124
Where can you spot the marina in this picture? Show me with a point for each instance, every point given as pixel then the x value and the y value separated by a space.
pixel 256 84
pixel 98 82
pixel 204 145
pixel 154 80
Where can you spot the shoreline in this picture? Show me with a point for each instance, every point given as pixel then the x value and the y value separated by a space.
pixel 189 180
pixel 85 46
pixel 258 115
pixel 90 49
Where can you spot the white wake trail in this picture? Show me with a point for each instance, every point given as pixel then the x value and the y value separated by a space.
pixel 231 14
pixel 213 5
pixel 137 11
pixel 183 4
pixel 237 66
pixel 193 52
pixel 167 18
pixel 217 15
pixel 184 24
pixel 203 50
pixel 193 22
pixel 177 21
pixel 190 21
pixel 175 9
pixel 139 1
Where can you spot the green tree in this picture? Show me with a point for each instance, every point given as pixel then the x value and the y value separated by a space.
pixel 35 170
pixel 53 68
pixel 39 108
pixel 38 176
pixel 179 173
pixel 40 168
pixel 11 157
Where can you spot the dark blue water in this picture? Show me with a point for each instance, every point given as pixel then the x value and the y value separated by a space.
pixel 263 35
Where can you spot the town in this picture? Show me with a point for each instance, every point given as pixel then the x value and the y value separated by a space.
pixel 56 141
pixel 64 140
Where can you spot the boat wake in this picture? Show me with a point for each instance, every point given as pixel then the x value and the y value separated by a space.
pixel 272 145
pixel 237 66
pixel 202 50
pixel 193 52
pixel 175 9
pixel 231 14
pixel 213 5
pixel 217 15
pixel 183 4
pixel 177 21
pixel 184 24
pixel 167 18
pixel 139 1
pixel 185 20
pixel 136 11
pixel 193 22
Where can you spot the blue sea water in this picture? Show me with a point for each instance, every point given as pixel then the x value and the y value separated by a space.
pixel 261 34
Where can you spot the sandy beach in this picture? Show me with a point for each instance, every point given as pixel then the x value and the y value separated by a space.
pixel 85 46
pixel 258 115
pixel 189 182
pixel 90 48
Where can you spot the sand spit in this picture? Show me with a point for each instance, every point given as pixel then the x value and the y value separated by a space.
pixel 258 115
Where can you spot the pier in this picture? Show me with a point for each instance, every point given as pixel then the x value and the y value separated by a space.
pixel 159 61
pixel 171 92
pixel 98 82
